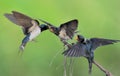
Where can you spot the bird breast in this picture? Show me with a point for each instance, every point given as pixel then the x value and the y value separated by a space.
pixel 63 35
pixel 34 33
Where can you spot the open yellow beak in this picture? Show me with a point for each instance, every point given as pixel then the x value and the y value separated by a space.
pixel 76 38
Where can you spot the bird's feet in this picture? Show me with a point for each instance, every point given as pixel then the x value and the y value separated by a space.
pixel 108 74
pixel 21 47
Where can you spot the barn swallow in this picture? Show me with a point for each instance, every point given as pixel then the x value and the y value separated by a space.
pixel 31 27
pixel 65 31
pixel 85 48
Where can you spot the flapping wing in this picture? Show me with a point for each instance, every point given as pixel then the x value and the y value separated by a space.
pixel 76 50
pixel 96 42
pixel 22 19
pixel 70 27
pixel 11 18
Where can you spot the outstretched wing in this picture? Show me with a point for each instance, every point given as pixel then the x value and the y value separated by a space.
pixel 96 42
pixel 11 18
pixel 76 50
pixel 69 27
pixel 21 20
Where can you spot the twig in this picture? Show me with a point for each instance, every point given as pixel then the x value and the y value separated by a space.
pixel 102 69
pixel 65 63
pixel 51 62
pixel 71 67
pixel 20 52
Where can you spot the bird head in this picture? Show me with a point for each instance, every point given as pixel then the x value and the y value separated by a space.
pixel 36 21
pixel 44 27
pixel 53 29
pixel 50 26
pixel 80 38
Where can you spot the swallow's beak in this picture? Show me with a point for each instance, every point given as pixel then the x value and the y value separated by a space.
pixel 51 30
pixel 77 38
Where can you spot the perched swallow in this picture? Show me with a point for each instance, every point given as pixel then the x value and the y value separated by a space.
pixel 65 31
pixel 85 48
pixel 31 27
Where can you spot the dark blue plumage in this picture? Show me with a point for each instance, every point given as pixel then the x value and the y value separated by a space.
pixel 24 41
pixel 85 48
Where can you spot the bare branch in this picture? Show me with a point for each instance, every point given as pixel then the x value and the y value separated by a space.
pixel 65 63
pixel 102 69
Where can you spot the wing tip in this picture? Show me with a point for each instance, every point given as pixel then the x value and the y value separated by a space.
pixel 76 20
pixel 117 41
pixel 65 53
pixel 14 11
pixel 6 14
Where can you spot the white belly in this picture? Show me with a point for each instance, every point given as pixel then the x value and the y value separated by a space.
pixel 35 33
pixel 63 35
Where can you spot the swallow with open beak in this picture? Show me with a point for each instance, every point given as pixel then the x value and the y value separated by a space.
pixel 31 27
pixel 85 48
pixel 65 31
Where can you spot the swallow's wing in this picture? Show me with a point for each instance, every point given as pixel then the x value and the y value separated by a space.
pixel 70 27
pixel 76 50
pixel 11 18
pixel 96 42
pixel 22 19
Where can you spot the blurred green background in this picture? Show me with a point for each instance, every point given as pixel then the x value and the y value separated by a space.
pixel 97 18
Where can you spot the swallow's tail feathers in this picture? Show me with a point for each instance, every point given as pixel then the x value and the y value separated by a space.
pixel 90 67
pixel 46 22
pixel 90 64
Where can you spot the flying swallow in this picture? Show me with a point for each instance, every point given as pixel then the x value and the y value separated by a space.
pixel 31 27
pixel 65 31
pixel 85 48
